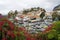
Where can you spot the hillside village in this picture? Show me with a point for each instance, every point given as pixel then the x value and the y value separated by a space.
pixel 34 19
pixel 29 19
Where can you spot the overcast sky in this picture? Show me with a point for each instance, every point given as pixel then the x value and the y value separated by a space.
pixel 7 5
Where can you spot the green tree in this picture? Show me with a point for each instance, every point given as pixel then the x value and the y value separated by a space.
pixel 54 15
pixel 58 17
pixel 42 14
pixel 32 9
pixel 54 33
pixel 16 12
pixel 25 11
pixel 38 8
pixel 10 13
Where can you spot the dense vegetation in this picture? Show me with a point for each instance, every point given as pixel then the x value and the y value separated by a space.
pixel 10 32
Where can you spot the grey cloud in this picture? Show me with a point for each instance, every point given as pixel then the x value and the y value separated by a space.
pixel 6 5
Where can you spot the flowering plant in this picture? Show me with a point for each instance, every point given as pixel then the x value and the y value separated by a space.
pixel 8 31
